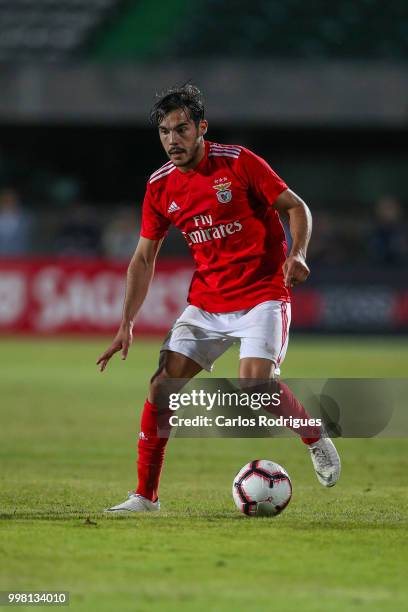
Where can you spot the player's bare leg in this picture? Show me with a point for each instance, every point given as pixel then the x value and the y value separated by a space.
pixel 325 458
pixel 151 448
pixel 172 365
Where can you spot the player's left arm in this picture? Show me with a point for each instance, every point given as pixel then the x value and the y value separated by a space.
pixel 295 268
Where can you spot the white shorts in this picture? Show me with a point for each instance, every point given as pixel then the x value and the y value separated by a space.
pixel 263 331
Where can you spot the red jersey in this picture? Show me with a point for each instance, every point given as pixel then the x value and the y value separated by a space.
pixel 224 208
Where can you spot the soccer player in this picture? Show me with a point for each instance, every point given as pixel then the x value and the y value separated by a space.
pixel 226 201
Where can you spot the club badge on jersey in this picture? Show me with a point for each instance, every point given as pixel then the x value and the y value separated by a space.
pixel 224 193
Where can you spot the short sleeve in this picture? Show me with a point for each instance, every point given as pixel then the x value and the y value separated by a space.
pixel 263 182
pixel 154 223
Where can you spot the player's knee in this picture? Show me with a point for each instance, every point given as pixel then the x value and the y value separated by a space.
pixel 158 379
pixel 256 367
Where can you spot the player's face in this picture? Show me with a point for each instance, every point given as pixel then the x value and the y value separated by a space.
pixel 182 139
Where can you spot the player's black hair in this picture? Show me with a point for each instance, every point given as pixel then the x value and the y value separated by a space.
pixel 188 97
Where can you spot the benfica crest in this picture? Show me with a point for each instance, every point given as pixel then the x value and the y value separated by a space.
pixel 224 193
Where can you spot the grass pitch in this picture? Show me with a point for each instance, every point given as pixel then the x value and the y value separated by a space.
pixel 67 447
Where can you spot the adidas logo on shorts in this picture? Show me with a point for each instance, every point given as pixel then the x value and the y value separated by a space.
pixel 173 207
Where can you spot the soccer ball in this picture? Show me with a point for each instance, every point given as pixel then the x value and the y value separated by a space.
pixel 262 488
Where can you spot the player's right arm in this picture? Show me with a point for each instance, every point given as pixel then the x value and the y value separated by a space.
pixel 139 276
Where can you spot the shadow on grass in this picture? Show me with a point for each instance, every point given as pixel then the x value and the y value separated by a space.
pixel 321 521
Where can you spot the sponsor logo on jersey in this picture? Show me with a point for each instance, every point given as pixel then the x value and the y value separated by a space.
pixel 224 193
pixel 214 232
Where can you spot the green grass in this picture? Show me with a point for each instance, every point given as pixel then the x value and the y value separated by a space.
pixel 67 448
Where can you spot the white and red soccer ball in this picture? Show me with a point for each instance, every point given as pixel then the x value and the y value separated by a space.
pixel 262 488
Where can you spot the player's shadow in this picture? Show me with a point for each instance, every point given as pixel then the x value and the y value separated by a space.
pixel 48 515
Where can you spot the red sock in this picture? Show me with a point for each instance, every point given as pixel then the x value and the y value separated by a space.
pixel 151 453
pixel 291 407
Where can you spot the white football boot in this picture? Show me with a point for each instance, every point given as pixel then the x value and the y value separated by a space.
pixel 135 503
pixel 326 461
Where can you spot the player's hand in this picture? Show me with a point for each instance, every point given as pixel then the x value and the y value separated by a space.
pixel 295 270
pixel 122 342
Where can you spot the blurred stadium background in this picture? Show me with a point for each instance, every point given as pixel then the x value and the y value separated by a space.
pixel 320 90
